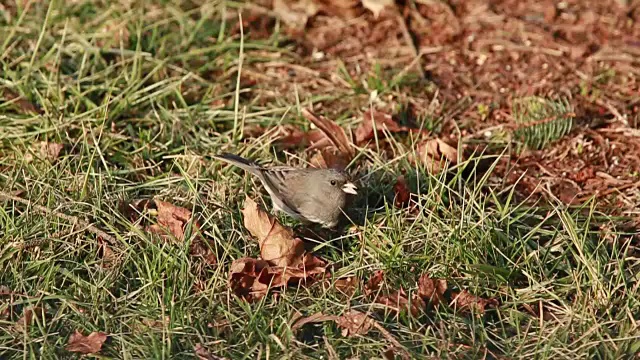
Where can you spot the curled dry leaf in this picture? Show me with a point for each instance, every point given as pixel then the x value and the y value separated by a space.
pixel 86 344
pixel 289 136
pixel 204 354
pixel 432 290
pixel 466 301
pixel 398 301
pixel 50 150
pixel 278 246
pixel 434 154
pixel 27 318
pixel 329 158
pixel 251 278
pixel 402 194
pixel 171 219
pixel 376 121
pixel 24 105
pixel 347 285
pixel 105 253
pixel 374 283
pixel 354 323
pixel 315 318
pixel 334 132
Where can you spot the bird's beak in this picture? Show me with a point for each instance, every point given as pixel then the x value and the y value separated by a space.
pixel 349 188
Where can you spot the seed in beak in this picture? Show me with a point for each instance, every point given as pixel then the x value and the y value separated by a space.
pixel 349 188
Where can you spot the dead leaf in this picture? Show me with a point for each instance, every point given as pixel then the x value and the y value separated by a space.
pixel 329 158
pixel 295 13
pixel 402 194
pixel 376 121
pixel 466 301
pixel 199 247
pixel 86 344
pixel 204 354
pixel 243 278
pixel 374 283
pixel 105 253
pixel 434 154
pixel 50 150
pixel 347 285
pixel 315 318
pixel 171 219
pixel 431 290
pixel 376 6
pixel 21 103
pixel 27 318
pixel 289 136
pixel 251 279
pixel 354 323
pixel 399 301
pixel 278 246
pixel 334 132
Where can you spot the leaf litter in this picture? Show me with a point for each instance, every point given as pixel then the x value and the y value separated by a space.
pixel 91 344
pixel 284 260
pixel 171 224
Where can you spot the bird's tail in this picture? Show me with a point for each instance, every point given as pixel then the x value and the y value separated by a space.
pixel 240 162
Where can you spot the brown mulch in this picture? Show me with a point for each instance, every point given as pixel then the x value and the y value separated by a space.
pixel 483 54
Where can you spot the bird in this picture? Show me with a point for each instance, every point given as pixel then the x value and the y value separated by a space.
pixel 314 195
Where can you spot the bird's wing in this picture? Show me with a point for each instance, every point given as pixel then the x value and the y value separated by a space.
pixel 281 183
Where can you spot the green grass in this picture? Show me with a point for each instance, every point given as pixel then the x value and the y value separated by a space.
pixel 136 122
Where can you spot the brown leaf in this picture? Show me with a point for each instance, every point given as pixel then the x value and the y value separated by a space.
pixel 399 301
pixel 434 154
pixel 376 6
pixel 289 136
pixel 105 253
pixel 402 194
pixel 354 323
pixel 86 344
pixel 381 121
pixel 243 278
pixel 24 105
pixel 27 318
pixel 251 278
pixel 50 150
pixel 374 283
pixel 295 13
pixel 466 301
pixel 333 131
pixel 347 285
pixel 431 290
pixel 199 247
pixel 277 243
pixel 315 318
pixel 329 158
pixel 204 354
pixel 171 219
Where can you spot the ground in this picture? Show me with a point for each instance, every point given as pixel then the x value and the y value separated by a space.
pixel 479 231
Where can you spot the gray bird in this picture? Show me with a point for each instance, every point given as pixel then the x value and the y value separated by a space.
pixel 315 195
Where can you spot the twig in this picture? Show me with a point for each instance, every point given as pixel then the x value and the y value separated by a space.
pixel 72 219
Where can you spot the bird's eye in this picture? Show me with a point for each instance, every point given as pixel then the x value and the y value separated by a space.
pixel 333 182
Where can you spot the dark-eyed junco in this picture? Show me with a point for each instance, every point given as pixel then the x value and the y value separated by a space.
pixel 315 195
